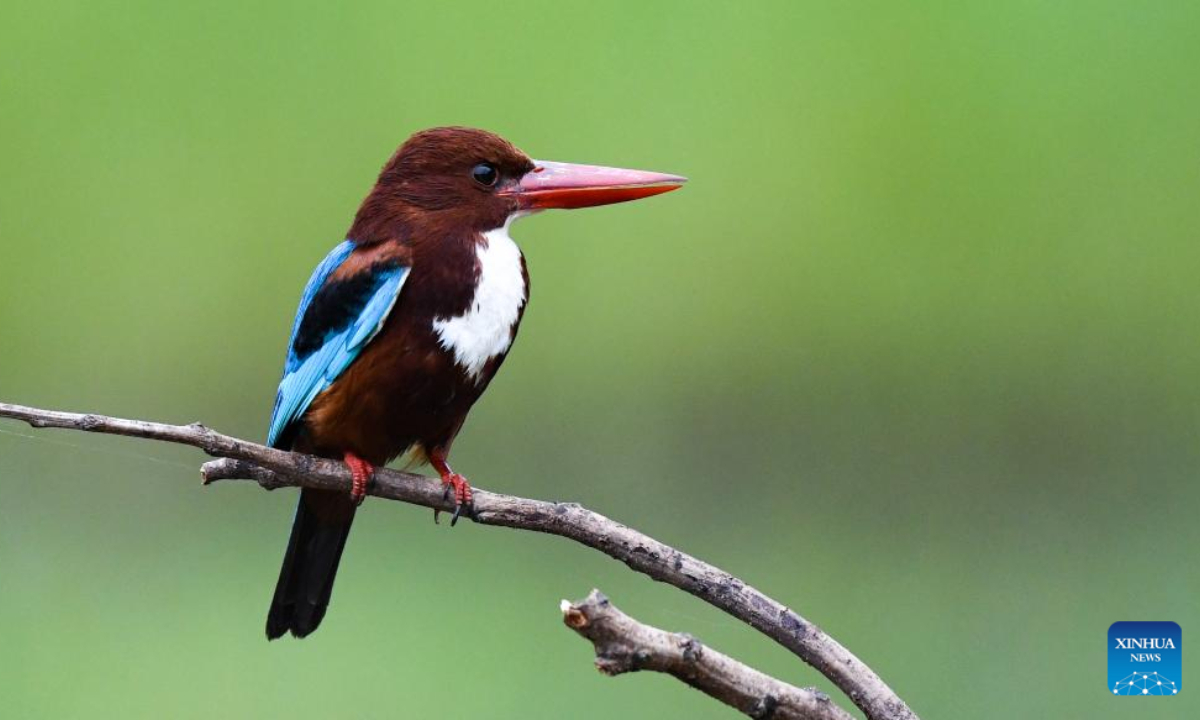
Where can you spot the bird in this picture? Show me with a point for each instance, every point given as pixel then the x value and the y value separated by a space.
pixel 403 325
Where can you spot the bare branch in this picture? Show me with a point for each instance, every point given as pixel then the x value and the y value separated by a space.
pixel 625 645
pixel 278 468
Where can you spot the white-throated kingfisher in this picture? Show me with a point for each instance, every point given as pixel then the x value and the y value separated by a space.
pixel 403 325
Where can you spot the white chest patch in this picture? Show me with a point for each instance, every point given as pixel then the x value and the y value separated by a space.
pixel 485 329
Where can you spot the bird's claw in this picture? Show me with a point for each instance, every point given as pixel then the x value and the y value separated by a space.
pixel 360 474
pixel 463 498
pixel 458 511
pixel 358 492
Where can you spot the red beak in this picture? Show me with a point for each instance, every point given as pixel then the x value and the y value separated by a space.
pixel 563 185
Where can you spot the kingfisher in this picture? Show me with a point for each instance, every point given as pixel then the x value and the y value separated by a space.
pixel 403 325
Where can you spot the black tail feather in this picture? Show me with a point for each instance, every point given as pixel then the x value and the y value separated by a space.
pixel 305 584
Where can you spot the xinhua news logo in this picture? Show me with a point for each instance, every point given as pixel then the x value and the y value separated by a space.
pixel 1145 658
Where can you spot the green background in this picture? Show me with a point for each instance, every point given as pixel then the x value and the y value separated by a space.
pixel 914 352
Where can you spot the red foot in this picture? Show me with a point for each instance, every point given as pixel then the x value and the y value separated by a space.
pixel 459 485
pixel 362 471
pixel 453 483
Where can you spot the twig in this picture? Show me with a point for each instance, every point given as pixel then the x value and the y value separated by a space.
pixel 625 645
pixel 278 468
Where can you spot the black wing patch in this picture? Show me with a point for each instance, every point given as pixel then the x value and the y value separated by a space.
pixel 335 307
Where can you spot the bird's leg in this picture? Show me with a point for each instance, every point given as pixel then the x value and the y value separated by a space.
pixel 452 482
pixel 361 471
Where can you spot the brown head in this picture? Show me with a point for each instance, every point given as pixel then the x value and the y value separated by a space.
pixel 474 180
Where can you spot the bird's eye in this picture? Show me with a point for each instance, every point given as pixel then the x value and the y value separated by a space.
pixel 485 174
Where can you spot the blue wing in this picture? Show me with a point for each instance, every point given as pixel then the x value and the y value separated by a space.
pixel 333 324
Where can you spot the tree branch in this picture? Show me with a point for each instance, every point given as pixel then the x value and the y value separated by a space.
pixel 278 468
pixel 625 645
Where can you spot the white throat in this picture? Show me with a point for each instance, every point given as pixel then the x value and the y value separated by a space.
pixel 485 330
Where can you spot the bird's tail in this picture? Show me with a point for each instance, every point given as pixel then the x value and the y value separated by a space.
pixel 319 533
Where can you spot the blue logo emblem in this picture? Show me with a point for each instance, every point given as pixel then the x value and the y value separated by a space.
pixel 1145 658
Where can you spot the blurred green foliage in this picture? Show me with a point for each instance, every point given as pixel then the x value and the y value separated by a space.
pixel 915 351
